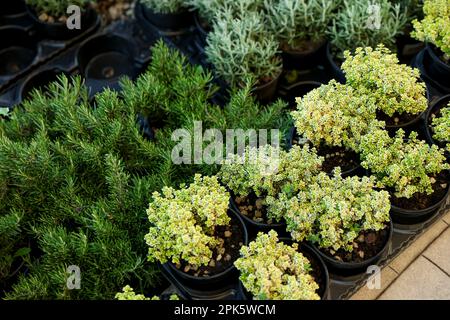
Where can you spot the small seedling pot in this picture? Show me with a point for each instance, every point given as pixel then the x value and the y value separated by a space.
pixel 298 90
pixel 438 70
pixel 409 217
pixel 104 59
pixel 18 50
pixel 59 30
pixel 315 259
pixel 266 92
pixel 166 21
pixel 335 70
pixel 14 9
pixel 214 281
pixel 303 60
pixel 352 268
pixel 435 107
pixel 39 80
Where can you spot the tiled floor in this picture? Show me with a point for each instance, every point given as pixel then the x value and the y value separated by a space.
pixel 422 271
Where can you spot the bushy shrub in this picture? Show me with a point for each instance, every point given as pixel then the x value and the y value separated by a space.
pixel 335 115
pixel 357 25
pixel 377 72
pixel 435 27
pixel 332 212
pixel 129 294
pixel 183 221
pixel 406 167
pixel 441 126
pixel 55 8
pixel 242 47
pixel 164 6
pixel 272 270
pixel 298 24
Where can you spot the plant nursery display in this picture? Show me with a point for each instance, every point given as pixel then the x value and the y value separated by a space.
pixel 166 14
pixel 396 88
pixel 262 173
pixel 272 270
pixel 129 294
pixel 437 123
pixel 346 218
pixel 51 11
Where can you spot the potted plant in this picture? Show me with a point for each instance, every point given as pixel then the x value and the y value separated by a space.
pixel 333 118
pixel 437 123
pixel 51 17
pixel 300 27
pixel 242 47
pixel 262 173
pixel 193 232
pixel 400 95
pixel 357 24
pixel 166 14
pixel 434 29
pixel 346 219
pixel 129 294
pixel 412 171
pixel 272 270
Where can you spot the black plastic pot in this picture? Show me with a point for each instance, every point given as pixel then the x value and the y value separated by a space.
pixel 409 217
pixel 170 21
pixel 438 70
pixel 104 59
pixel 255 227
pixel 214 281
pixel 352 268
pixel 59 30
pixel 202 33
pixel 14 9
pixel 408 47
pixel 39 80
pixel 18 50
pixel 298 90
pixel 335 70
pixel 441 103
pixel 302 60
pixel 265 93
pixel 311 254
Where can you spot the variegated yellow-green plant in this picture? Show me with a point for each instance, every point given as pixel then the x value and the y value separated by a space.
pixel 377 72
pixel 405 166
pixel 441 127
pixel 183 221
pixel 129 294
pixel 332 211
pixel 272 270
pixel 435 26
pixel 335 115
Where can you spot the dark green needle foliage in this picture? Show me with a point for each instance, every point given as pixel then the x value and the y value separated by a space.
pixel 76 177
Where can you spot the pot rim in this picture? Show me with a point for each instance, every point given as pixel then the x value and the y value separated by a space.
pixel 438 103
pixel 431 48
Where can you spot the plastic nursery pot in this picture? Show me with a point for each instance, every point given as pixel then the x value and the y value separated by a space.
pixel 253 226
pixel 265 93
pixel 438 70
pixel 304 59
pixel 335 69
pixel 170 21
pixel 298 90
pixel 214 281
pixel 356 170
pixel 434 110
pixel 39 80
pixel 202 28
pixel 352 268
pixel 318 265
pixel 409 216
pixel 408 47
pixel 59 30
pixel 13 9
pixel 18 50
pixel 104 59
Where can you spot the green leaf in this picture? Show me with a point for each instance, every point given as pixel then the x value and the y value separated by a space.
pixel 22 252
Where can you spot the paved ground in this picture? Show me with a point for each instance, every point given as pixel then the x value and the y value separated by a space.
pixel 422 271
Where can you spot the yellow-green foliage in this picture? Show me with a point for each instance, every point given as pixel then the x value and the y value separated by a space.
pixel 268 170
pixel 406 167
pixel 395 87
pixel 441 126
pixel 272 270
pixel 129 294
pixel 334 114
pixel 183 221
pixel 435 27
pixel 332 211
